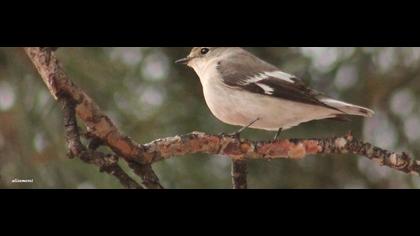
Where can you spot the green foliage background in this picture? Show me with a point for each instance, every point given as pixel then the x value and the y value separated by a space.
pixel 149 97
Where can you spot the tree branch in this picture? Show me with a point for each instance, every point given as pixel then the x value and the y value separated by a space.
pixel 97 123
pixel 197 142
pixel 106 163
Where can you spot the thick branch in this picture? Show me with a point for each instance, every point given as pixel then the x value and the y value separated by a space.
pixel 286 148
pixel 106 163
pixel 97 123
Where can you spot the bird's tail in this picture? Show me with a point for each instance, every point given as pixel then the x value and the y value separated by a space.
pixel 348 108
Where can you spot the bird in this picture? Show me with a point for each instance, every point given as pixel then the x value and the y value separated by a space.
pixel 241 89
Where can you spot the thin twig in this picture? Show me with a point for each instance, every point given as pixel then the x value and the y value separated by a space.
pixel 147 174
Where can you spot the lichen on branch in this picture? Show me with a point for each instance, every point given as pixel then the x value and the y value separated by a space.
pixel 198 142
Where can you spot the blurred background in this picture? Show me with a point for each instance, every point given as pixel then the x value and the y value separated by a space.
pixel 149 97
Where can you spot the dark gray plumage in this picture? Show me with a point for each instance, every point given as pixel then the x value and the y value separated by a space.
pixel 240 68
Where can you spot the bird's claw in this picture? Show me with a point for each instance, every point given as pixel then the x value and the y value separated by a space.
pixel 235 135
pixel 276 137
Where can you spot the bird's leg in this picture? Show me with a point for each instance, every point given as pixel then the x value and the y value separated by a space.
pixel 237 134
pixel 278 134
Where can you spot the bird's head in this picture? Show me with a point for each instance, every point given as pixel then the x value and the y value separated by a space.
pixel 200 56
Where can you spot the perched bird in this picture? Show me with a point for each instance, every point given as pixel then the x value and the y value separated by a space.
pixel 241 89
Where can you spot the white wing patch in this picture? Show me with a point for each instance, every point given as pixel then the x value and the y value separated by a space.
pixel 256 78
pixel 276 74
pixel 281 75
pixel 267 89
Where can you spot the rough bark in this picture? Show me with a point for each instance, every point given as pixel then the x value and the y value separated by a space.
pixel 197 142
pixel 106 162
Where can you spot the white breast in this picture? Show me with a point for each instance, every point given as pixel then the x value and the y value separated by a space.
pixel 237 107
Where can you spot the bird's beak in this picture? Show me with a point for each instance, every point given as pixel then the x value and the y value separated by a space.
pixel 183 61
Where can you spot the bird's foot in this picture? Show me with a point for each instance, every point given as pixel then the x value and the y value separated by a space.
pixel 237 135
pixel 276 137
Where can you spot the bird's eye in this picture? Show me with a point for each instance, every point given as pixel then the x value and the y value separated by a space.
pixel 204 51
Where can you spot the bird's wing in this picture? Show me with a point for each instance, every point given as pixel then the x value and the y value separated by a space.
pixel 257 76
